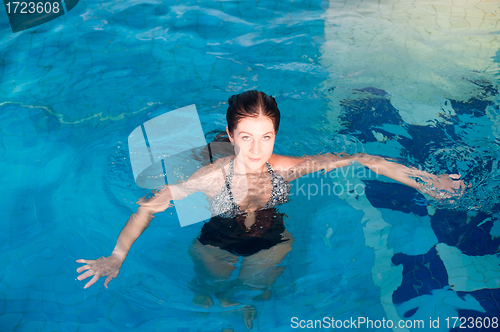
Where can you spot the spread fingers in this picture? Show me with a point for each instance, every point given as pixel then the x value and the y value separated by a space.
pixel 82 268
pixel 85 275
pixel 92 281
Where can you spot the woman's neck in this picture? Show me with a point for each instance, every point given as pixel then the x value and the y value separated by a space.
pixel 241 169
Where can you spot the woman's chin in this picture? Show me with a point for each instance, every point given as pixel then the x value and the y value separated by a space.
pixel 253 165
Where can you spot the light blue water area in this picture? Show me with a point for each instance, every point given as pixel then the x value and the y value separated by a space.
pixel 73 89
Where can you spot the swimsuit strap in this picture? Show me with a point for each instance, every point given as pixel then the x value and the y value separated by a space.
pixel 229 180
pixel 270 169
pixel 281 188
pixel 229 183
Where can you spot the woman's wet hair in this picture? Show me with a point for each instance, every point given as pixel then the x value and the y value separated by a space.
pixel 251 104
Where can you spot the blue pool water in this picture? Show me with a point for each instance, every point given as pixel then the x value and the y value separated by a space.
pixel 405 79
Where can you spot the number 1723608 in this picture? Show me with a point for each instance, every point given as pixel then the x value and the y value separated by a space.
pixel 23 7
pixel 472 322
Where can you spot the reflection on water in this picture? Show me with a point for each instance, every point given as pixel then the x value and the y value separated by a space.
pixel 417 79
pixel 421 52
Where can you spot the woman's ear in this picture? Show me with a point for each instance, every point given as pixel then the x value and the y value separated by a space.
pixel 229 135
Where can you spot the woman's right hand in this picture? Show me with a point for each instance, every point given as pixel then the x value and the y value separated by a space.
pixel 105 266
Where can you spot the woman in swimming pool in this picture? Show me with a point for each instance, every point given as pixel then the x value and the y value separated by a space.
pixel 243 191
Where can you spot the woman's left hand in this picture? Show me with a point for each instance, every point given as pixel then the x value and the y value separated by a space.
pixel 446 186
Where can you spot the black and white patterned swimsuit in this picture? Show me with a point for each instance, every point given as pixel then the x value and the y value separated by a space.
pixel 223 204
pixel 227 230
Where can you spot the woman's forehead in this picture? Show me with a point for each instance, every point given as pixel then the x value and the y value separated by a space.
pixel 258 125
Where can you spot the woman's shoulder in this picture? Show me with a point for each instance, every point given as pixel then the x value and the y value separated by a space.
pixel 213 169
pixel 221 164
pixel 208 178
pixel 283 163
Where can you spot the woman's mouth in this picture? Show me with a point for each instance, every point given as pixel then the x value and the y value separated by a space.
pixel 254 159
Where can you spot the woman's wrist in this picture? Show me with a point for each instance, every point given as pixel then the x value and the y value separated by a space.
pixel 119 255
pixel 424 179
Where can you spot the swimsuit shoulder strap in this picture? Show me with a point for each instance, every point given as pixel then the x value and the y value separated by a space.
pixel 281 188
pixel 230 169
pixel 273 173
pixel 229 180
pixel 229 175
pixel 269 168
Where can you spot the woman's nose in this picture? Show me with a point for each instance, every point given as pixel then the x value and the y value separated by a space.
pixel 255 148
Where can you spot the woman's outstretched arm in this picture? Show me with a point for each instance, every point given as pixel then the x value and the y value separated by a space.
pixel 438 186
pixel 135 226
pixel 205 179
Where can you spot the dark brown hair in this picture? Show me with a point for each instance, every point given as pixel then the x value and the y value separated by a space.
pixel 251 104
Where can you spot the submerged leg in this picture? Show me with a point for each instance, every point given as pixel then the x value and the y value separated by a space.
pixel 202 299
pixel 260 270
pixel 212 266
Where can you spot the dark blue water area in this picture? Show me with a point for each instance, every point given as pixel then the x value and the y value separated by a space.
pixel 373 110
pixel 421 275
pixel 460 143
pixel 470 235
pixel 425 275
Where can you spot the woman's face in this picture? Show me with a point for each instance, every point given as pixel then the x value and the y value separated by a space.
pixel 253 140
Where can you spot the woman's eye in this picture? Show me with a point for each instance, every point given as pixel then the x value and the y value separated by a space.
pixel 246 138
pixel 267 138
